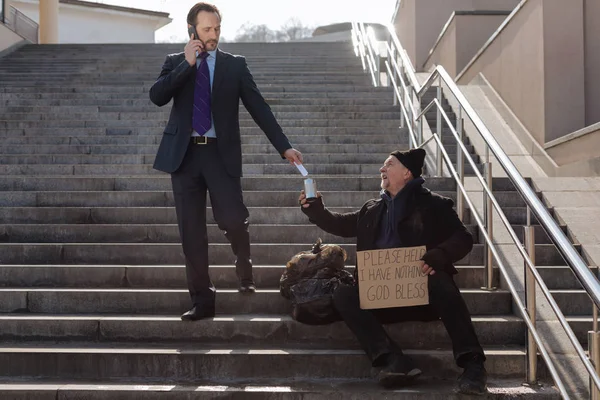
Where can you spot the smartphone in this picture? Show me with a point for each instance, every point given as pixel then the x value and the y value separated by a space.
pixel 192 30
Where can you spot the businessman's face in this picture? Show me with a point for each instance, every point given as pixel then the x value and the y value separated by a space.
pixel 208 26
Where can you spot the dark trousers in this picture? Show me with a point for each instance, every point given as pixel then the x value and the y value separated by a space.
pixel 202 169
pixel 445 302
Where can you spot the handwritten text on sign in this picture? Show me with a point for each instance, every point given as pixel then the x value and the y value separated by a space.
pixel 392 278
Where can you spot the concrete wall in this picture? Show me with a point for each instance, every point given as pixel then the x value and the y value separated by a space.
pixel 526 64
pixel 564 81
pixel 405 24
pixel 577 146
pixel 472 33
pixel 8 38
pixel 445 51
pixel 94 25
pixel 419 22
pixel 592 61
pixel 465 35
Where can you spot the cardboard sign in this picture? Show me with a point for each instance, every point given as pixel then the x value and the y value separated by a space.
pixel 392 278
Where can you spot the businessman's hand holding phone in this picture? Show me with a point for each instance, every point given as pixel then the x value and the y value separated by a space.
pixel 194 47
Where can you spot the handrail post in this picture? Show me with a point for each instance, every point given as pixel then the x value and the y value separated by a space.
pixel 530 301
pixel 420 131
pixel 392 55
pixel 594 352
pixel 439 164
pixel 407 98
pixel 378 53
pixel 460 166
pixel 489 224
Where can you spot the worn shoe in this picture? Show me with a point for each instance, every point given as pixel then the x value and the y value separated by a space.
pixel 474 379
pixel 247 287
pixel 197 313
pixel 399 371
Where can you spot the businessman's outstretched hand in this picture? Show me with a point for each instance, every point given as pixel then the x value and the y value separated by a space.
pixel 293 156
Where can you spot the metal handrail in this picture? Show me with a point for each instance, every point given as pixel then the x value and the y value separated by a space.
pixel 365 51
pixel 574 260
pixel 522 308
pixel 22 25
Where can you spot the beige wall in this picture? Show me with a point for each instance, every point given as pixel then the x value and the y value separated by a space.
pixel 536 65
pixel 429 17
pixel 473 31
pixel 405 23
pixel 8 38
pixel 592 61
pixel 465 35
pixel 445 51
pixel 578 146
pixel 564 68
pixel 513 64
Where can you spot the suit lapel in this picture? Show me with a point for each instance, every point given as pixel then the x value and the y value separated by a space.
pixel 220 69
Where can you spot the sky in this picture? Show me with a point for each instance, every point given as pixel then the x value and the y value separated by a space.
pixel 270 12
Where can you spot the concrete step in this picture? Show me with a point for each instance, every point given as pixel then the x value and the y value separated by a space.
pixel 113 160
pixel 573 301
pixel 150 149
pixel 250 330
pixel 133 183
pixel 165 199
pixel 389 139
pixel 264 230
pixel 253 130
pixel 30 100
pixel 270 183
pixel 271 97
pixel 147 77
pixel 223 276
pixel 244 123
pixel 163 233
pixel 314 138
pixel 177 301
pixel 120 159
pixel 219 253
pixel 290 87
pixel 164 110
pixel 162 116
pixel 187 364
pixel 146 169
pixel 285 91
pixel 287 389
pixel 110 75
pixel 141 216
pixel 81 74
pixel 157 131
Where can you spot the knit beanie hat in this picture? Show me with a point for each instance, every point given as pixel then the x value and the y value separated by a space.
pixel 412 159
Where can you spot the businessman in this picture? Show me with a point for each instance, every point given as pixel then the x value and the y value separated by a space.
pixel 201 149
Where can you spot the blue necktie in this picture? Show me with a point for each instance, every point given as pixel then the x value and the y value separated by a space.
pixel 201 117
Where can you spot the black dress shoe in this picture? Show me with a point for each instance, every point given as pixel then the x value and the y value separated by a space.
pixel 247 287
pixel 197 313
pixel 474 379
pixel 400 370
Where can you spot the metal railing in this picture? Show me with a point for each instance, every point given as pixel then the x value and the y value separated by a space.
pixel 408 94
pixel 22 25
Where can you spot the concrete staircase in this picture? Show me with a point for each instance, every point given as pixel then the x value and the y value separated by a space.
pixel 91 265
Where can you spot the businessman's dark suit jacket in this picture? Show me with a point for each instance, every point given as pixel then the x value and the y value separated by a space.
pixel 232 81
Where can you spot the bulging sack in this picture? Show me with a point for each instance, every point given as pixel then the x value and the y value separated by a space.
pixel 309 281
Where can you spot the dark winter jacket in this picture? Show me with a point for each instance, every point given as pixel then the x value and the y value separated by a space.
pixel 430 221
